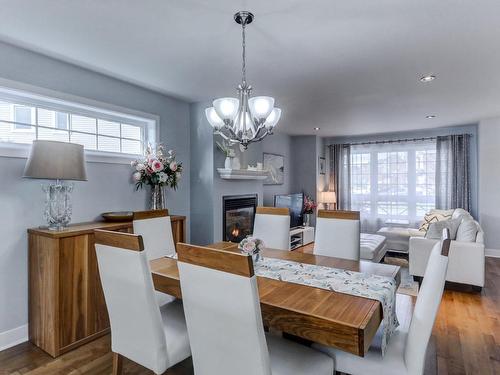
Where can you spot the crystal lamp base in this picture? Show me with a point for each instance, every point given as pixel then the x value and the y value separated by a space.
pixel 58 207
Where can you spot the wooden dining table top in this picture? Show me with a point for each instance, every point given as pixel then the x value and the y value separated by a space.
pixel 331 318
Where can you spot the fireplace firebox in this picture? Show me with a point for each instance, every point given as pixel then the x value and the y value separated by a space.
pixel 238 213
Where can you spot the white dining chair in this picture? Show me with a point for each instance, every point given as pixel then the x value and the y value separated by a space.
pixel 156 230
pixel 337 234
pixel 272 225
pixel 405 353
pixel 152 336
pixel 221 303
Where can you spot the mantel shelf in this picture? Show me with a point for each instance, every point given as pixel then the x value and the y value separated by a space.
pixel 242 174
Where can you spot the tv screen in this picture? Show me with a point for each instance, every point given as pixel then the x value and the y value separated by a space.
pixel 295 203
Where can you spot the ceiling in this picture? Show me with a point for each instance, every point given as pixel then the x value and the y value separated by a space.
pixel 349 67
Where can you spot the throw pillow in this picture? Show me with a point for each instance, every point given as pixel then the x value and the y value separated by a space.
pixel 433 217
pixel 435 230
pixel 467 231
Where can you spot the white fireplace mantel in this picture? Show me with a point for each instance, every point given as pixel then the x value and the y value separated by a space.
pixel 242 174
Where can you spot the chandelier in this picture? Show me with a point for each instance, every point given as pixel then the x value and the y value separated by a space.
pixel 244 119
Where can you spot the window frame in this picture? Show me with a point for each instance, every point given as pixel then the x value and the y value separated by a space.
pixel 24 94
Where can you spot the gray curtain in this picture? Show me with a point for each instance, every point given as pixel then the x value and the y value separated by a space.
pixel 340 178
pixel 452 172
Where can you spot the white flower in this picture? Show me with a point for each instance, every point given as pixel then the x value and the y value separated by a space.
pixel 162 177
pixel 133 163
pixel 137 176
pixel 140 167
pixel 178 175
pixel 173 166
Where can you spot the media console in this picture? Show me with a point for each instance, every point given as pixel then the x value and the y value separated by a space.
pixel 300 236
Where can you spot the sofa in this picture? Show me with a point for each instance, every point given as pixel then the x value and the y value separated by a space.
pixel 466 258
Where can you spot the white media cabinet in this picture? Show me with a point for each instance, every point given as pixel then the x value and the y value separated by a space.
pixel 301 236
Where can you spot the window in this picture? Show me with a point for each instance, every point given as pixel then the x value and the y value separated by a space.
pixel 25 117
pixel 393 182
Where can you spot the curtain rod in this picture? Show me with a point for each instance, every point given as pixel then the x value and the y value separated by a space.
pixel 395 140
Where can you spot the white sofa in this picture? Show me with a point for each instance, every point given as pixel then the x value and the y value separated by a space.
pixel 466 259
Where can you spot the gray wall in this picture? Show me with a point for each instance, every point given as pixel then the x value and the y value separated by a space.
pixel 108 188
pixel 489 181
pixel 470 129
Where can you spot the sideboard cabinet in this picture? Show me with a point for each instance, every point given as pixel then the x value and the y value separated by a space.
pixel 66 301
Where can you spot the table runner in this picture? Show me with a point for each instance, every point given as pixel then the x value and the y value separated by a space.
pixel 380 288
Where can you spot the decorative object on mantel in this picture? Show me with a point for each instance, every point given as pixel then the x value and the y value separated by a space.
pixel 242 174
pixel 157 170
pixel 118 216
pixel 328 198
pixel 232 161
pixel 275 164
pixel 57 161
pixel 244 120
pixel 252 246
pixel 309 207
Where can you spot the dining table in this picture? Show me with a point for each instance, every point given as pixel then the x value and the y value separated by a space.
pixel 335 319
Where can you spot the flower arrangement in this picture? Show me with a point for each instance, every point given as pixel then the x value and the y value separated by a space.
pixel 251 246
pixel 157 169
pixel 309 205
pixel 225 148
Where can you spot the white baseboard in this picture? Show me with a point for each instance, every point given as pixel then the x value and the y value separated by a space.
pixel 13 337
pixel 493 253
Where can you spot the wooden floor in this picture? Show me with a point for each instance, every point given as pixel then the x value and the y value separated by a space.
pixel 466 340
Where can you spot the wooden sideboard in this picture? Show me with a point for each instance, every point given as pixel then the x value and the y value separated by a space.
pixel 66 301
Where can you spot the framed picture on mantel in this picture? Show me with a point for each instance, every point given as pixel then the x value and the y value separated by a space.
pixel 275 164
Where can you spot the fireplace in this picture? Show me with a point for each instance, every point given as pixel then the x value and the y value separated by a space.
pixel 238 213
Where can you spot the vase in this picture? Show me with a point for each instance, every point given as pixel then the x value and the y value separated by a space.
pixel 256 257
pixel 307 220
pixel 158 201
pixel 227 163
pixel 235 163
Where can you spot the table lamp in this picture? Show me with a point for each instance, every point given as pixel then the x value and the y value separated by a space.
pixel 57 161
pixel 328 198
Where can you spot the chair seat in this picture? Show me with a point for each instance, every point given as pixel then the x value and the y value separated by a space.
pixel 174 325
pixel 289 358
pixel 373 362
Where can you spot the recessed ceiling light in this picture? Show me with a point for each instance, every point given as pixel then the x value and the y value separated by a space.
pixel 428 78
pixel 430 116
pixel 316 128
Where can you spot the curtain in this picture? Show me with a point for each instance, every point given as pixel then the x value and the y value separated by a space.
pixel 339 172
pixel 452 172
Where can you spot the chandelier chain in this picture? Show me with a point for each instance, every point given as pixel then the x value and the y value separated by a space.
pixel 243 44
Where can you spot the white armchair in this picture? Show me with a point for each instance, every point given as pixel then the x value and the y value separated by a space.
pixel 466 259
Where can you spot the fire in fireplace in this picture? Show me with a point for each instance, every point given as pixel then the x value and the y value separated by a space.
pixel 238 213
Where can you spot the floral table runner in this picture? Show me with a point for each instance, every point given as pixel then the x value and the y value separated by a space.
pixel 375 287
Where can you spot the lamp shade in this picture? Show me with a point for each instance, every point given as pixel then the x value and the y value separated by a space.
pixel 226 108
pixel 273 118
pixel 328 197
pixel 261 106
pixel 53 160
pixel 213 118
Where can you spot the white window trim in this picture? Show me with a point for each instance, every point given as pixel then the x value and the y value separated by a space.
pixel 67 103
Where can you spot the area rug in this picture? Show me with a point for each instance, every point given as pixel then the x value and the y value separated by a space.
pixel 408 286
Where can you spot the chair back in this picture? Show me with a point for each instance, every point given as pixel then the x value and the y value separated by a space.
pixel 136 324
pixel 338 234
pixel 156 230
pixel 272 225
pixel 221 305
pixel 426 308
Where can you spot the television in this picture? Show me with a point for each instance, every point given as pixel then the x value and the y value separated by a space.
pixel 295 203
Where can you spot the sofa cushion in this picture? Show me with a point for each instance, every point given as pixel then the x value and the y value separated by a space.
pixel 460 213
pixel 467 231
pixel 398 237
pixel 433 217
pixel 435 230
pixel 372 247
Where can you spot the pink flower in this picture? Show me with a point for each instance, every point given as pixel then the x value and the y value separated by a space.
pixel 156 166
pixel 136 176
pixel 249 247
pixel 173 166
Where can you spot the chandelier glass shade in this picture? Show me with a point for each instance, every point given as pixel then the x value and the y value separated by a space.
pixel 244 119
